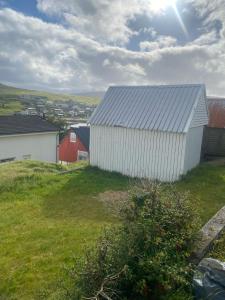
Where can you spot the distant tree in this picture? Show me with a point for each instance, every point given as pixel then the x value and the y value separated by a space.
pixel 59 122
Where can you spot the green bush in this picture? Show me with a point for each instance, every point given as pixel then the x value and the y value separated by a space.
pixel 146 255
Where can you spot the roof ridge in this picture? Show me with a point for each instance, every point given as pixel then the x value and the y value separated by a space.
pixel 159 86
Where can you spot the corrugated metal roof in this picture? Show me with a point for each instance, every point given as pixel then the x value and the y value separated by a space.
pixel 164 107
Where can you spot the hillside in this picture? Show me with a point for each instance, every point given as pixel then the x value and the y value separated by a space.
pixel 10 98
pixel 99 94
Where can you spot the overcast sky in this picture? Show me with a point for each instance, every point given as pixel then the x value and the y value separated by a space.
pixel 86 45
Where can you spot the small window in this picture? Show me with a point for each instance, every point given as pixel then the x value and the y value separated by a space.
pixel 7 159
pixel 73 137
pixel 82 155
pixel 27 156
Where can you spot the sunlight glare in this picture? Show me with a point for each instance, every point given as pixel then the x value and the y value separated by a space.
pixel 161 5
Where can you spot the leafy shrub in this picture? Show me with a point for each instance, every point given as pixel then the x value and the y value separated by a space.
pixel 146 255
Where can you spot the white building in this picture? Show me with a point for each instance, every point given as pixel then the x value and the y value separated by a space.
pixel 28 137
pixel 150 132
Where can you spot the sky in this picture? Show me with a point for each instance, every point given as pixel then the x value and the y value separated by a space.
pixel 75 46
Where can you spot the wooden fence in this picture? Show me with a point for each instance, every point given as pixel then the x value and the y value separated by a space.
pixel 213 142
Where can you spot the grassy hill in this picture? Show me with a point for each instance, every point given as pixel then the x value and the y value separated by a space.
pixel 10 102
pixel 47 218
pixel 10 106
pixel 12 91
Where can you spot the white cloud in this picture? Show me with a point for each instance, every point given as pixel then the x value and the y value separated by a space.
pixel 158 43
pixel 37 54
pixel 104 20
pixel 210 11
pixel 206 39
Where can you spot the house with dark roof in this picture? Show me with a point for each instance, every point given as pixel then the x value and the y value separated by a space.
pixel 75 144
pixel 28 137
pixel 152 132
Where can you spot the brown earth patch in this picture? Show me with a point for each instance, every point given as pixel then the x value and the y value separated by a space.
pixel 113 200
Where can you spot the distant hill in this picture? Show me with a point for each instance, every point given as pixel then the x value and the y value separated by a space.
pixel 15 92
pixel 99 94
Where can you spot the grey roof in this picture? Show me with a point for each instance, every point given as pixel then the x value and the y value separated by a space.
pixel 164 107
pixel 83 132
pixel 17 124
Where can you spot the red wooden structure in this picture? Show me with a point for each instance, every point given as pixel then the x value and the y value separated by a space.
pixel 216 112
pixel 75 145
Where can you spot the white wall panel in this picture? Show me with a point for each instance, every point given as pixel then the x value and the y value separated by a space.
pixel 138 153
pixel 41 146
pixel 200 116
pixel 193 148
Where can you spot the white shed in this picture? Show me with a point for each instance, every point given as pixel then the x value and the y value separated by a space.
pixel 28 137
pixel 150 132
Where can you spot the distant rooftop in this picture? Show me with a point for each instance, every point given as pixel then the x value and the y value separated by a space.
pixel 20 124
pixel 78 125
pixel 83 132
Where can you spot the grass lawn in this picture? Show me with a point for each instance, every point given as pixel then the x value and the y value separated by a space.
pixel 206 184
pixel 218 250
pixel 47 218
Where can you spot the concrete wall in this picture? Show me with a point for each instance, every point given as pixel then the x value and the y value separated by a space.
pixel 138 153
pixel 40 146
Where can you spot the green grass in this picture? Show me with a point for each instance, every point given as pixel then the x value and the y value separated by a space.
pixel 13 92
pixel 218 250
pixel 206 185
pixel 207 190
pixel 10 106
pixel 47 218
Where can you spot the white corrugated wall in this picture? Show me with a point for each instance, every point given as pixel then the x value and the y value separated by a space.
pixel 193 148
pixel 200 116
pixel 138 153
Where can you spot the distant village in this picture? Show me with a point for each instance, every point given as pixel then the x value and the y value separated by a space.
pixel 70 111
